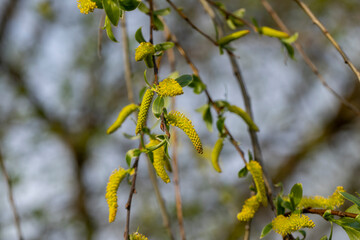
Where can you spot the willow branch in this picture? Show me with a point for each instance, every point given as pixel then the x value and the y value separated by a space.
pixel 316 21
pixel 333 212
pixel 11 198
pixel 307 59
pixel 127 62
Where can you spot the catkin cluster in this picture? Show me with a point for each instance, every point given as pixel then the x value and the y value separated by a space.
pixel 255 169
pixel 178 119
pixel 333 201
pixel 216 153
pixel 111 191
pixel 286 225
pixel 159 160
pixel 249 209
pixel 144 108
pixel 124 113
pixel 86 6
pixel 169 88
pixel 143 50
pixel 137 236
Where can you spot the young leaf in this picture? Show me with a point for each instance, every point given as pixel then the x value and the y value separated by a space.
pixel 290 39
pixel 143 8
pixel 197 85
pixel 159 26
pixel 266 230
pixel 129 5
pixel 207 117
pixel 164 46
pixel 296 194
pixel 98 4
pixel 243 172
pixel 244 115
pixel 231 37
pixel 162 12
pixel 131 154
pixel 158 106
pixel 280 210
pixel 139 36
pixel 109 31
pixel 184 80
pixel 351 198
pixel 220 124
pixel 112 10
pixel 290 50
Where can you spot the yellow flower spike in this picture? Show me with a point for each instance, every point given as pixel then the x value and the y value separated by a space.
pixel 216 153
pixel 256 171
pixel 124 113
pixel 249 209
pixel 137 236
pixel 169 87
pixel 286 225
pixel 143 50
pixel 333 201
pixel 270 32
pixel 111 191
pixel 144 108
pixel 178 119
pixel 86 6
pixel 159 161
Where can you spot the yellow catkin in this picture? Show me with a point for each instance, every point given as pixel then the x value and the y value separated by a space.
pixel 244 115
pixel 178 119
pixel 137 236
pixel 143 50
pixel 333 201
pixel 124 113
pixel 216 153
pixel 86 6
pixel 144 108
pixel 286 225
pixel 256 171
pixel 169 87
pixel 249 209
pixel 111 191
pixel 270 32
pixel 159 161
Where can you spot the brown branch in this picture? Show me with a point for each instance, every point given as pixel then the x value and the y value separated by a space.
pixel 333 212
pixel 100 33
pixel 190 23
pixel 11 198
pixel 316 21
pixel 307 59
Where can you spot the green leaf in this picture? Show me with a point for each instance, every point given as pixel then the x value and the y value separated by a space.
pixel 351 227
pixel 112 10
pixel 109 31
pixel 220 124
pixel 141 93
pixel 158 106
pixel 296 194
pixel 162 12
pixel 266 230
pixel 98 3
pixel 243 172
pixel 184 80
pixel 288 205
pixel 351 198
pixel 129 5
pixel 139 36
pixel 303 233
pixel 244 115
pixel 290 50
pixel 164 46
pixel 250 155
pixel 231 37
pixel 197 85
pixel 131 154
pixel 143 8
pixel 291 39
pixel 280 210
pixel 324 238
pixel 158 23
pixel 353 209
pixel 207 117
pixel 131 137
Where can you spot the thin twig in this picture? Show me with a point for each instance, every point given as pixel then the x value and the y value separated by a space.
pixel 307 59
pixel 127 62
pixel 190 23
pixel 11 198
pixel 100 32
pixel 316 21
pixel 333 212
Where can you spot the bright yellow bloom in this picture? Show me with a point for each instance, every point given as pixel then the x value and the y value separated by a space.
pixel 124 113
pixel 143 50
pixel 216 153
pixel 286 225
pixel 249 209
pixel 137 236
pixel 273 32
pixel 86 6
pixel 333 201
pixel 178 119
pixel 159 160
pixel 144 108
pixel 256 171
pixel 111 191
pixel 169 87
